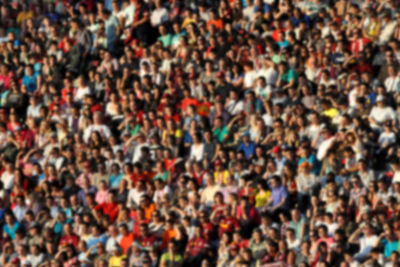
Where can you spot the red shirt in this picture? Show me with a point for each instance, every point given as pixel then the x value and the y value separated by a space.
pixel 228 224
pixel 168 163
pixel 136 226
pixel 176 118
pixel 146 241
pixel 204 108
pixel 208 230
pixel 69 240
pixel 251 212
pixel 358 45
pixel 196 246
pixel 52 104
pixel 109 209
pixel 199 177
pixel 136 177
pixel 65 91
pixel 218 23
pixel 186 102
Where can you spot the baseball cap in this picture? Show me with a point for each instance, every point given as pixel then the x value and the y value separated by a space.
pixel 221 74
pixel 276 149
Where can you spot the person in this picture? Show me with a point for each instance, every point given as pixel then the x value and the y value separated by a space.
pixel 366 242
pixel 171 257
pixel 196 247
pixel 236 133
pixel 279 196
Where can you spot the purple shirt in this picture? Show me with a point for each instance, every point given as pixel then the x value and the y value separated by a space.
pixel 278 194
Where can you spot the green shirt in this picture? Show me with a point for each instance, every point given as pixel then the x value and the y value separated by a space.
pixel 220 133
pixel 163 176
pixel 134 130
pixel 289 75
pixel 177 261
pixel 166 40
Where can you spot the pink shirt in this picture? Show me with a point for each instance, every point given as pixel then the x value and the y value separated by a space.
pixel 101 196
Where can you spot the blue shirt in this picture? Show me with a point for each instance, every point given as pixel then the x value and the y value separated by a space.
pixel 11 230
pixel 187 138
pixel 247 149
pixel 283 44
pixel 108 5
pixel 30 82
pixel 297 21
pixel 111 25
pixel 93 240
pixel 264 8
pixel 115 179
pixel 311 160
pixel 389 247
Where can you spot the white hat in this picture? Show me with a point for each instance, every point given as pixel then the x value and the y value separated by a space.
pixel 380 98
pixel 26 263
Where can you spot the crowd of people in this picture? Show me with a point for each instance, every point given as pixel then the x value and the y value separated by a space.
pixel 228 133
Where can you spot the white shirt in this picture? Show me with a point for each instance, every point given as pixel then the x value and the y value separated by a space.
pixel 235 107
pixel 81 92
pixel 197 152
pixel 387 138
pixel 35 259
pixel 58 162
pixel 367 177
pixel 268 120
pixel 158 194
pixel 19 212
pixel 128 13
pixel 137 153
pixel 7 179
pixel 353 98
pixel 366 244
pixel 111 241
pixel 323 148
pixel 159 16
pixel 331 228
pixel 396 177
pixel 387 32
pixel 134 197
pixel 263 92
pixel 305 183
pixel 102 129
pixel 33 111
pixel 312 131
pixel 391 83
pixel 295 244
pixel 380 115
pixel 312 74
pixel 249 78
pixel 270 75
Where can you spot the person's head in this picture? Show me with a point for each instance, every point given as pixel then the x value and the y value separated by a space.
pixel 198 231
pixel 368 230
pixel 275 181
pixel 322 231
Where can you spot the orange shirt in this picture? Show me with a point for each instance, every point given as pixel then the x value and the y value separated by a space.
pixel 148 212
pixel 218 23
pixel 168 235
pixel 126 242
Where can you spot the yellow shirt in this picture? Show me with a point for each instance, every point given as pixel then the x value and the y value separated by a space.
pixel 115 261
pixel 187 21
pixel 178 134
pixel 22 16
pixel 262 198
pixel 331 113
pixel 220 177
